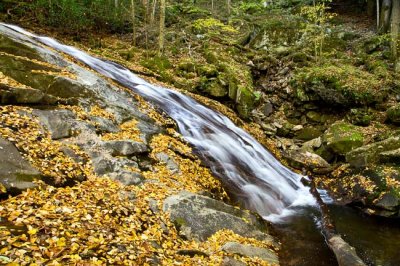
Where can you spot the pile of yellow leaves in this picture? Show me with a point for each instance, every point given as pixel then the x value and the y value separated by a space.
pixel 18 126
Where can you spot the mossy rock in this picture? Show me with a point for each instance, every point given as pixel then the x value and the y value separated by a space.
pixel 308 133
pixel 245 101
pixel 360 117
pixel 215 89
pixel 342 137
pixel 393 114
pixel 343 85
pixel 208 71
pixel 369 154
pixel 276 30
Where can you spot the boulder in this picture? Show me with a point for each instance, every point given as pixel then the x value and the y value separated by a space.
pixel 371 153
pixel 342 137
pixel 393 114
pixel 251 251
pixel 125 147
pixel 199 217
pixel 58 122
pixel 303 159
pixel 16 174
pixel 387 201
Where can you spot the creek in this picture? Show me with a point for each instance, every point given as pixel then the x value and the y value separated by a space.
pixel 250 173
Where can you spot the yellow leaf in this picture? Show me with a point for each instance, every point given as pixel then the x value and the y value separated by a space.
pixel 61 242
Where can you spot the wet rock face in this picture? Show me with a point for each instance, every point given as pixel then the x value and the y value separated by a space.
pixel 16 174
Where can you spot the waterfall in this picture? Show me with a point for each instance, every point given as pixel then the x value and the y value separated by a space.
pixel 256 178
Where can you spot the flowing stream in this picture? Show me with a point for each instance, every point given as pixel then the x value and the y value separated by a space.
pixel 251 173
pixel 257 180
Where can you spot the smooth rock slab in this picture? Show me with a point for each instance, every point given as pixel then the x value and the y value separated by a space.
pixel 16 174
pixel 251 251
pixel 199 217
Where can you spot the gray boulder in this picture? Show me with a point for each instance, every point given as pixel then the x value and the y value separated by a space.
pixel 371 153
pixel 125 147
pixel 58 122
pixel 303 159
pixel 16 174
pixel 199 217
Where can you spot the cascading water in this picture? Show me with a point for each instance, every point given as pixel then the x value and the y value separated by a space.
pixel 250 172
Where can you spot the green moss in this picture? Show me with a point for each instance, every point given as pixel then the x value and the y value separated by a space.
pixel 342 137
pixel 393 114
pixel 343 85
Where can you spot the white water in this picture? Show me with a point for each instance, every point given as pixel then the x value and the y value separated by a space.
pixel 258 180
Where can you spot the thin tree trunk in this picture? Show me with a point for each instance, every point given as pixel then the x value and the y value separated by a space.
pixel 395 28
pixel 162 27
pixel 385 16
pixel 146 22
pixel 133 23
pixel 377 15
pixel 153 12
pixel 228 3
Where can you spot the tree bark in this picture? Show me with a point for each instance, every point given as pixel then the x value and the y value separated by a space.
pixel 395 28
pixel 385 16
pixel 133 22
pixel 162 27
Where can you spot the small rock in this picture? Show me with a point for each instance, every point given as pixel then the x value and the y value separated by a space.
pixel 251 251
pixel 390 156
pixel 104 125
pixel 312 144
pixel 127 178
pixel 171 164
pixel 387 201
pixel 297 127
pixel 125 147
pixel 300 159
pixel 268 109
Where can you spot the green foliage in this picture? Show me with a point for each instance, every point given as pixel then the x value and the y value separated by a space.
pixel 317 21
pixel 211 26
pixel 76 16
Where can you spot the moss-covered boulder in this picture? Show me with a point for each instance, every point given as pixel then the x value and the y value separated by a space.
pixel 280 28
pixel 342 137
pixel 393 114
pixel 372 153
pixel 343 85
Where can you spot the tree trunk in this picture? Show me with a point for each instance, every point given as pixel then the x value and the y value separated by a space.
pixel 162 27
pixel 385 16
pixel 133 23
pixel 228 4
pixel 153 12
pixel 395 28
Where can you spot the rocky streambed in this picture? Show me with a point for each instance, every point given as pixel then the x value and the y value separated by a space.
pixel 91 173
